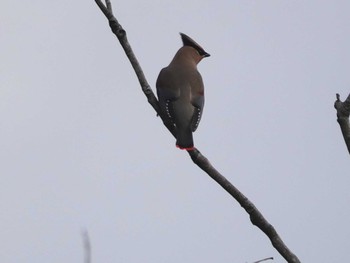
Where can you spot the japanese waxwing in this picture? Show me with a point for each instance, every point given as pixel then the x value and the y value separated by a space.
pixel 180 91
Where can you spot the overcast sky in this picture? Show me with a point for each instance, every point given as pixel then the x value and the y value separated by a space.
pixel 81 148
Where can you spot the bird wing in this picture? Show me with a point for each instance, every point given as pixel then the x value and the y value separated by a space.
pixel 197 114
pixel 197 100
pixel 166 93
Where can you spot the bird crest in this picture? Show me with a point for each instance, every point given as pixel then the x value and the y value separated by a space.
pixel 187 41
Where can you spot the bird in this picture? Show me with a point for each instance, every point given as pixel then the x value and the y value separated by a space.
pixel 180 91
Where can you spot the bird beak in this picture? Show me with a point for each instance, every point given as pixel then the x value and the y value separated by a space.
pixel 205 55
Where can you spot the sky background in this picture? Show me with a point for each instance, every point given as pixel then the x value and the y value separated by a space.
pixel 81 148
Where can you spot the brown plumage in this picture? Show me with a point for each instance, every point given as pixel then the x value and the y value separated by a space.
pixel 180 91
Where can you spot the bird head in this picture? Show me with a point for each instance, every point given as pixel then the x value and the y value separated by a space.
pixel 187 41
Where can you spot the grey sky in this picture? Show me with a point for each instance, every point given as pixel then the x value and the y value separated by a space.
pixel 81 148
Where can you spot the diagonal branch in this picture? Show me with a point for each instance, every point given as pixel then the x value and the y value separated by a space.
pixel 120 33
pixel 343 112
pixel 255 216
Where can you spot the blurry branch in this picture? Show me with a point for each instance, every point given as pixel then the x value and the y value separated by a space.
pixel 87 246
pixel 255 216
pixel 261 260
pixel 343 112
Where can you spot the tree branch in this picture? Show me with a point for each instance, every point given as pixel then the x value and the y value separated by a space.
pixel 343 112
pixel 120 33
pixel 87 246
pixel 265 259
pixel 255 216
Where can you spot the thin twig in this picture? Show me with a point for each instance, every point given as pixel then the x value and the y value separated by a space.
pixel 343 112
pixel 107 10
pixel 255 216
pixel 261 260
pixel 87 246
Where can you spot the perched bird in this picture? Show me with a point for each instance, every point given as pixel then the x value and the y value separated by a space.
pixel 180 91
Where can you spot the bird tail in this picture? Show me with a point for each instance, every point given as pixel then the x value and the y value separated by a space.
pixel 184 139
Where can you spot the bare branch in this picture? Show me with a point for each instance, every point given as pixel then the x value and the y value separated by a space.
pixel 109 6
pixel 343 112
pixel 255 216
pixel 120 33
pixel 261 260
pixel 107 10
pixel 87 246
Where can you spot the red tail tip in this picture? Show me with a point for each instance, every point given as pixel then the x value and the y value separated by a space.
pixel 185 148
